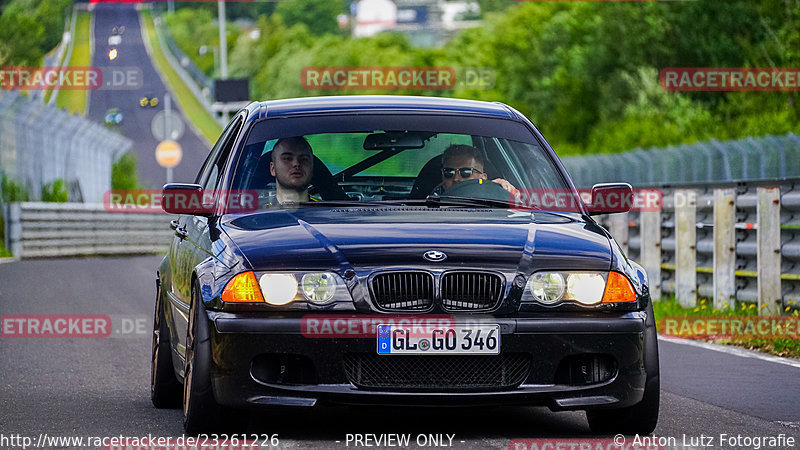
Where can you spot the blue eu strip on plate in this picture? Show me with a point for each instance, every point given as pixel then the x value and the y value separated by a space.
pixel 384 339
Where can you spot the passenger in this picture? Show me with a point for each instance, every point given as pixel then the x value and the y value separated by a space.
pixel 292 166
pixel 464 162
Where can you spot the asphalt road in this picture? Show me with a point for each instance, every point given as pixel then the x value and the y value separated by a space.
pixel 136 123
pixel 99 387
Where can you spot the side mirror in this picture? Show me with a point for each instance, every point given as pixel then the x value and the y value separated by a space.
pixel 610 198
pixel 181 198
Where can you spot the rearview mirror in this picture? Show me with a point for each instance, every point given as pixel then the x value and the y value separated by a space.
pixel 393 140
pixel 610 198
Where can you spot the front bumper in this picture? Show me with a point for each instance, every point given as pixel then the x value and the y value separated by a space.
pixel 241 342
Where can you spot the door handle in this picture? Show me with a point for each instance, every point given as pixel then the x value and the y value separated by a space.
pixel 174 224
pixel 181 232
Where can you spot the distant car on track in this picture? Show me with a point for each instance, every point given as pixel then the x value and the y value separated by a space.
pixel 151 102
pixel 388 285
pixel 113 116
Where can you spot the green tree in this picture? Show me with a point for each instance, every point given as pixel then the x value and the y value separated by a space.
pixel 318 15
pixel 489 6
pixel 12 190
pixel 193 28
pixel 55 191
pixel 51 14
pixel 21 38
pixel 123 172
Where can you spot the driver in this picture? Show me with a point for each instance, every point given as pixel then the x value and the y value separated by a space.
pixel 464 162
pixel 292 166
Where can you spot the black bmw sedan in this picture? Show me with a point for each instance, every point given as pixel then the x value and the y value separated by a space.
pixel 386 250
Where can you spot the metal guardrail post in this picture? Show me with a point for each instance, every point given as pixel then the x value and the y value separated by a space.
pixel 686 247
pixel 724 248
pixel 14 229
pixel 618 227
pixel 650 250
pixel 769 250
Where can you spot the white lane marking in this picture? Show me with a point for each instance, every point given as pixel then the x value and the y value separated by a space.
pixel 731 350
pixel 6 260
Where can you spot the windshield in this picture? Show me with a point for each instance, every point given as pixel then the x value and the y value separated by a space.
pixel 435 159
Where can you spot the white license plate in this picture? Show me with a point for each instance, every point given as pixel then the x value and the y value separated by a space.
pixel 457 339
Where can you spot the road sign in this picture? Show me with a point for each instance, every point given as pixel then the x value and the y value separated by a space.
pixel 168 154
pixel 167 126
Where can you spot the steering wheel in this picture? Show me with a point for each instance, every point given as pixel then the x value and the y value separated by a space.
pixel 478 188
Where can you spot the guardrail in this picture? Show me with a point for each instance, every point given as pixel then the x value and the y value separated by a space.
pixel 73 229
pixel 728 242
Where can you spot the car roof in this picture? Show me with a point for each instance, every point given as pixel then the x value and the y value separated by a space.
pixel 378 103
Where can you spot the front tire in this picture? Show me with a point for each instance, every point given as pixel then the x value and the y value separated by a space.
pixel 642 417
pixel 200 410
pixel 165 389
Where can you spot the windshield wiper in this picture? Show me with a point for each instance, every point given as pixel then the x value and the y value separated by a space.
pixel 340 203
pixel 471 201
pixel 431 201
pixel 435 201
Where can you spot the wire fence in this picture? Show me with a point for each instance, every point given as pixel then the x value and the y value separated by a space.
pixel 775 157
pixel 40 143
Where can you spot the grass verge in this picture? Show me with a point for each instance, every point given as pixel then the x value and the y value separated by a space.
pixel 75 99
pixel 192 108
pixel 780 347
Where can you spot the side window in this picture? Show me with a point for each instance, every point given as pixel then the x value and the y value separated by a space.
pixel 202 176
pixel 223 148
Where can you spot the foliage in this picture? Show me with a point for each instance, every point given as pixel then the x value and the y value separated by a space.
pixel 55 191
pixel 669 307
pixel 13 191
pixel 490 6
pixel 123 172
pixel 233 10
pixel 29 29
pixel 21 39
pixel 585 72
pixel 318 15
pixel 195 28
pixel 75 100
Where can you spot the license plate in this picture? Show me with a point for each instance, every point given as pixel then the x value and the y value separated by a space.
pixel 451 340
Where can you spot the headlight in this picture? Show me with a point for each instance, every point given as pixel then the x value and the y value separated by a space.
pixel 547 287
pixel 585 288
pixel 278 288
pixel 319 288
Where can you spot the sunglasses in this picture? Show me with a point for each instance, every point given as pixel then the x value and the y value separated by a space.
pixel 465 172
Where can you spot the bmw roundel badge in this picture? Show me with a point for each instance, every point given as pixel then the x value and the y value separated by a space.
pixel 434 256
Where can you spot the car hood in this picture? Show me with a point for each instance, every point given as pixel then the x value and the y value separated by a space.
pixel 364 238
